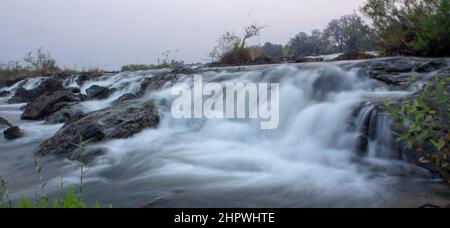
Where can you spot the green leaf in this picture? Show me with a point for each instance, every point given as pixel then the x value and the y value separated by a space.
pixel 25 203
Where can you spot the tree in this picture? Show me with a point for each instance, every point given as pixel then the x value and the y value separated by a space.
pixel 227 42
pixel 272 51
pixel 251 31
pixel 42 62
pixel 305 45
pixel 349 33
pixel 411 27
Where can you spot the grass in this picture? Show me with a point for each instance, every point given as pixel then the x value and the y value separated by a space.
pixel 67 198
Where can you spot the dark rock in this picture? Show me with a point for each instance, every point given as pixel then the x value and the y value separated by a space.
pixel 431 66
pixel 125 97
pixel 157 82
pixel 86 76
pixel 12 133
pixel 48 104
pixel 308 60
pixel 74 90
pixel 66 115
pixel 183 70
pixel 5 93
pixel 120 121
pixel 24 96
pixel 98 92
pixel 353 56
pixel 4 122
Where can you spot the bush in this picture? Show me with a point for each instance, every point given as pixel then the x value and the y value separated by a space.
pixel 237 56
pixel 411 27
pixel 424 124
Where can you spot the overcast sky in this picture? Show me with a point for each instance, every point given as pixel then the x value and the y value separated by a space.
pixel 111 33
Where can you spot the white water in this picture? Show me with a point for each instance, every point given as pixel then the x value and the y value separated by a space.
pixel 309 161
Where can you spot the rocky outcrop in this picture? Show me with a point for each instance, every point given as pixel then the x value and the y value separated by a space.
pixel 47 104
pixel 117 122
pixel 25 96
pixel 398 71
pixel 353 56
pixel 96 92
pixel 12 133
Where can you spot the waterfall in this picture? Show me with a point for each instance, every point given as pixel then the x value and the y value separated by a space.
pixel 326 114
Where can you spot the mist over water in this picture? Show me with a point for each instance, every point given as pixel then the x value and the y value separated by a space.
pixel 309 161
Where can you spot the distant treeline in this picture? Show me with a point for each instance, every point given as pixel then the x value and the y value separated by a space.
pixel 396 27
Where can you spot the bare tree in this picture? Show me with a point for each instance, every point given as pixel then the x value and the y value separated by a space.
pixel 251 31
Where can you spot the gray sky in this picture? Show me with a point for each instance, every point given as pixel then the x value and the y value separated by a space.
pixel 112 33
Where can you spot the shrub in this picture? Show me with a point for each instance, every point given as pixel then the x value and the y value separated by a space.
pixel 411 27
pixel 423 124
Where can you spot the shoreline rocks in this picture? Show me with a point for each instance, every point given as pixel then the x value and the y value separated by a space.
pixel 118 122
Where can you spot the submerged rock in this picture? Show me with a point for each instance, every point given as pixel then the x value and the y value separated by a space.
pixel 12 133
pixel 117 122
pixel 4 93
pixel 158 82
pixel 4 122
pixel 98 92
pixel 48 104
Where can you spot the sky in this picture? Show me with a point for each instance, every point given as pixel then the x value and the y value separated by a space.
pixel 111 33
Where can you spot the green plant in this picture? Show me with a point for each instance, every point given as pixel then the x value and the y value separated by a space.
pixel 67 199
pixel 422 124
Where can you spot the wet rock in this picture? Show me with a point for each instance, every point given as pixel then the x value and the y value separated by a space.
pixel 4 93
pixel 125 97
pixel 12 133
pixel 353 56
pixel 117 122
pixel 66 115
pixel 4 122
pixel 98 92
pixel 158 82
pixel 86 76
pixel 48 104
pixel 74 90
pixel 24 96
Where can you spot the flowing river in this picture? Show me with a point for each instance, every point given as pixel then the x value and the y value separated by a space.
pixel 310 160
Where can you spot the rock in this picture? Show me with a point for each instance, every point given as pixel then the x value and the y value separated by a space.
pixel 48 104
pixel 74 90
pixel 86 76
pixel 12 133
pixel 431 65
pixel 4 93
pixel 183 70
pixel 125 97
pixel 353 56
pixel 25 96
pixel 66 115
pixel 116 122
pixel 98 92
pixel 4 122
pixel 157 82
pixel 308 59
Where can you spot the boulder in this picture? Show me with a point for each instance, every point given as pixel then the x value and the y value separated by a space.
pixel 48 104
pixel 4 122
pixel 12 133
pixel 25 96
pixel 68 114
pixel 98 92
pixel 157 82
pixel 116 122
pixel 125 97
pixel 5 93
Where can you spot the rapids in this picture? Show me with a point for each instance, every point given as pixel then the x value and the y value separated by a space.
pixel 309 161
